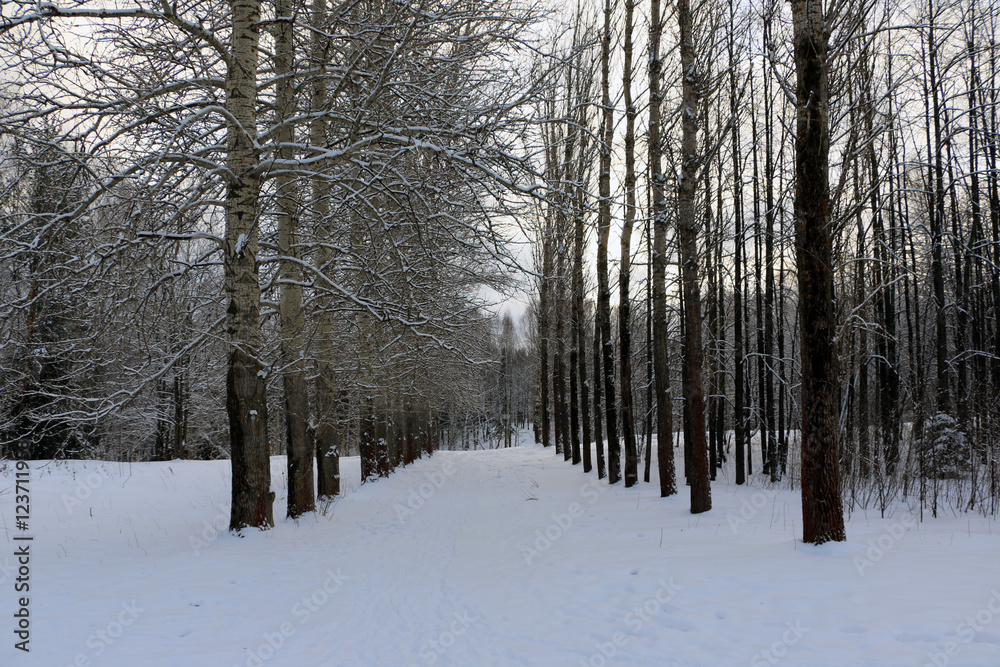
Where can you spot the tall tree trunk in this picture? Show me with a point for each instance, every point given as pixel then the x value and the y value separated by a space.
pixel 246 398
pixel 579 316
pixel 598 391
pixel 658 259
pixel 783 418
pixel 604 228
pixel 713 319
pixel 720 300
pixel 861 291
pixel 544 319
pixel 993 186
pixel 625 265
pixel 960 254
pixel 767 404
pixel 574 384
pixel 755 410
pixel 822 509
pixel 685 406
pixel 978 241
pixel 738 319
pixel 936 186
pixel 327 430
pixel 298 442
pixel 569 218
pixel 889 379
pixel 648 420
pixel 782 379
pixel 687 223
pixel 550 290
pixel 717 315
pixel 564 442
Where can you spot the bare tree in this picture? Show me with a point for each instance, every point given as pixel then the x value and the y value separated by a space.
pixel 603 231
pixel 822 511
pixel 687 224
pixel 625 264
pixel 661 359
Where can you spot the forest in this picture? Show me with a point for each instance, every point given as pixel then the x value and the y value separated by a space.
pixel 751 233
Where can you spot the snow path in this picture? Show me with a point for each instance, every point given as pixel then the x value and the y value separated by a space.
pixel 503 557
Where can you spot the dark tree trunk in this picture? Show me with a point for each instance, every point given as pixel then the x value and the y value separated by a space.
pixel 328 405
pixel 565 440
pixel 822 509
pixel 604 228
pixel 687 223
pixel 544 307
pixel 368 441
pixel 558 383
pixel 754 416
pixel 767 404
pixel 648 425
pixel 598 383
pixel 888 377
pixel 624 303
pixel 738 344
pixel 579 317
pixel 936 187
pixel 568 216
pixel 180 396
pixel 298 440
pixel 658 259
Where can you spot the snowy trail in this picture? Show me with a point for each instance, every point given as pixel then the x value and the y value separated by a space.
pixel 504 557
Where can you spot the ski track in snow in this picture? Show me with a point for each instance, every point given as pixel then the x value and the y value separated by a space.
pixel 502 557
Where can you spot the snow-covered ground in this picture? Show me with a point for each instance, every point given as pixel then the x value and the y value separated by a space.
pixel 504 557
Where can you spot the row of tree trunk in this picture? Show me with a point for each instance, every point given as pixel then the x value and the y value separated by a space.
pixel 828 307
